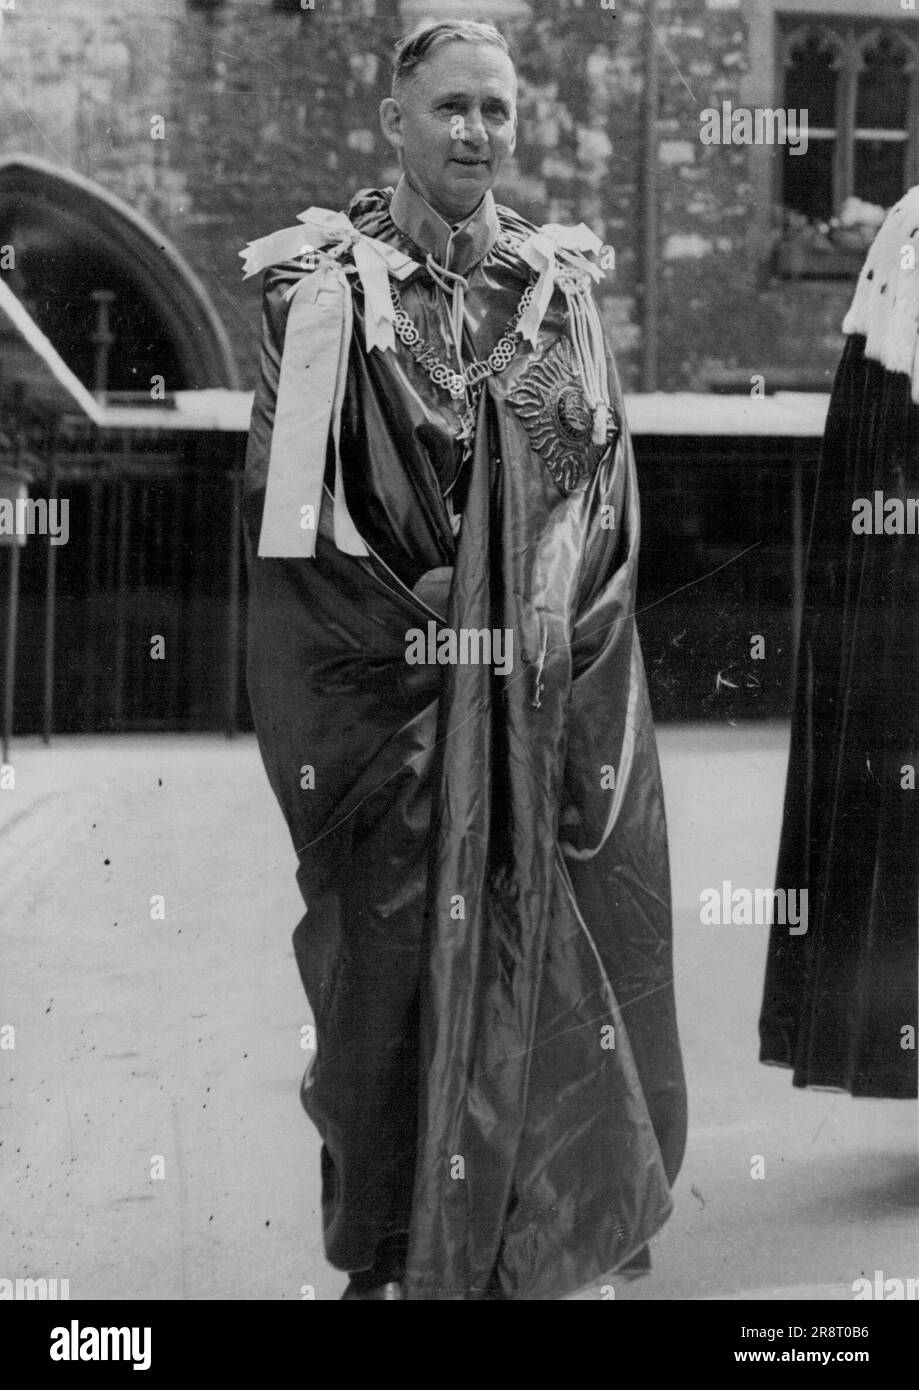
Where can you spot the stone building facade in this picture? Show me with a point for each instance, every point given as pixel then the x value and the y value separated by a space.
pixel 142 144
pixel 219 120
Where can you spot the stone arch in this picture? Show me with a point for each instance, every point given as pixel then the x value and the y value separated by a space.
pixel 71 237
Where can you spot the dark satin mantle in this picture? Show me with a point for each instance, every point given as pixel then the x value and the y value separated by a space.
pixel 462 960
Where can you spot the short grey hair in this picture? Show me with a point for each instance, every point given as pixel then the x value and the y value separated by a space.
pixel 412 50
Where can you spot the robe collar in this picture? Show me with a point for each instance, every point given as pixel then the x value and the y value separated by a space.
pixel 458 248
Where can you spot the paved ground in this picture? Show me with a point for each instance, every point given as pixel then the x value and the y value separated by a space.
pixel 147 1046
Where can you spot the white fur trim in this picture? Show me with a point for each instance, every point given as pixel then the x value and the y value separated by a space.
pixel 885 309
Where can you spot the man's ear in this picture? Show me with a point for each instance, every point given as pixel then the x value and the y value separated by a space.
pixel 513 144
pixel 391 121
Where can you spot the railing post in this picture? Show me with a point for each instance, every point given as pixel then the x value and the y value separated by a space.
pixel 9 661
pixel 233 615
pixel 50 605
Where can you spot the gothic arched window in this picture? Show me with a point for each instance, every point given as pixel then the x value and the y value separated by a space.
pixel 859 85
pixel 813 63
pixel 885 117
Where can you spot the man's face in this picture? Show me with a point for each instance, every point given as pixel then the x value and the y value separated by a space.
pixel 455 124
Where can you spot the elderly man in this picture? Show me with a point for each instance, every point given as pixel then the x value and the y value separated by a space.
pixel 442 531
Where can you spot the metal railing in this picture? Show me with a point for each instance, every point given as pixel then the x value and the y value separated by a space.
pixel 135 622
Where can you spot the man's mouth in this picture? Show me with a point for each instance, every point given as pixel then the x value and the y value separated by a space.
pixel 458 159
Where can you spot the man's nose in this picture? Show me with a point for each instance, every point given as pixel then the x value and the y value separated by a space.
pixel 474 132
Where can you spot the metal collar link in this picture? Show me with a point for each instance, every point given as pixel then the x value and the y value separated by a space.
pixel 459 384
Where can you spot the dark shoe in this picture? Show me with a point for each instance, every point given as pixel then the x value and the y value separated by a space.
pixel 388 1293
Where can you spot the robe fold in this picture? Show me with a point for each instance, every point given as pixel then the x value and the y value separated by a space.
pixel 486 943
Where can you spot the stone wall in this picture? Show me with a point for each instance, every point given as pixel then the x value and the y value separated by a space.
pixel 264 110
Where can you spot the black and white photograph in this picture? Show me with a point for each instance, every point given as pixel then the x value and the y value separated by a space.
pixel 459 577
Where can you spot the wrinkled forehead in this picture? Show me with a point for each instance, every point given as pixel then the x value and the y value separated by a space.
pixel 460 68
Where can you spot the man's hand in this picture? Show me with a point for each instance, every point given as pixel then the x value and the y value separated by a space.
pixel 433 588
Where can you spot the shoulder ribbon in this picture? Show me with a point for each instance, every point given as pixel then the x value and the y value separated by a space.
pixel 559 256
pixel 317 341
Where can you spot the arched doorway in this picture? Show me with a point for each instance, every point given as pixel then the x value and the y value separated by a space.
pixel 71 240
pixel 152 552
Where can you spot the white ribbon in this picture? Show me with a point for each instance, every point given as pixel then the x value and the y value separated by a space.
pixel 311 384
pixel 540 251
pixel 552 249
pixel 332 231
pixel 314 371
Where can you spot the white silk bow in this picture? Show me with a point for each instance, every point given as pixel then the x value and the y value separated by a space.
pixel 332 231
pixel 540 251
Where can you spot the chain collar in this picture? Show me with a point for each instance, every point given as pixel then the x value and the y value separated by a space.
pixel 459 384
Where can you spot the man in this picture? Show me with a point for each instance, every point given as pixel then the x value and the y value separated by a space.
pixel 442 529
pixel 840 1000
